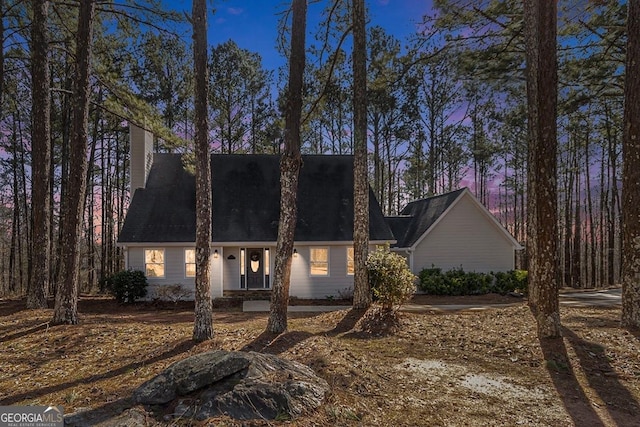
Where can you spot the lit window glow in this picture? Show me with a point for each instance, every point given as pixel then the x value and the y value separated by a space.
pixel 319 261
pixel 190 262
pixel 154 262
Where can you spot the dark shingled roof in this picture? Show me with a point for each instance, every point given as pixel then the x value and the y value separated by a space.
pixel 246 192
pixel 165 210
pixel 418 216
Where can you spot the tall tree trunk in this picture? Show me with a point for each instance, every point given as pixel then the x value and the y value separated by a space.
pixel 203 323
pixel 540 19
pixel 66 305
pixel 24 281
pixel 361 286
pixel 592 241
pixel 290 165
pixel 576 256
pixel 613 186
pixel 568 224
pixel 103 214
pixel 1 60
pixel 89 234
pixel 631 174
pixel 377 168
pixel 41 156
pixel 604 196
pixel 15 222
pixel 64 160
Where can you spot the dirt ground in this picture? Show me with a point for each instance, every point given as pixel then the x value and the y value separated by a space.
pixel 484 368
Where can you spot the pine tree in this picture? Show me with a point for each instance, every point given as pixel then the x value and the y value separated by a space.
pixel 290 164
pixel 361 286
pixel 542 236
pixel 41 156
pixel 203 323
pixel 631 174
pixel 66 304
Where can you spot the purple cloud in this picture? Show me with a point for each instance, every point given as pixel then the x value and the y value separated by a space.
pixel 235 10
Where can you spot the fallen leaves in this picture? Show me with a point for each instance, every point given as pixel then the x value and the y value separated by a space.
pixel 116 348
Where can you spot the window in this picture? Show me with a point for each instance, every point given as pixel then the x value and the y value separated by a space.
pixel 267 260
pixel 154 262
pixel 190 262
pixel 242 269
pixel 351 267
pixel 319 261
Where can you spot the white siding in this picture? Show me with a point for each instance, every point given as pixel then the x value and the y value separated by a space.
pixel 216 271
pixel 174 269
pixel 465 238
pixel 225 272
pixel 231 269
pixel 303 285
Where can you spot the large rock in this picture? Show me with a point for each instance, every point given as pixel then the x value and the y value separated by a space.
pixel 238 384
pixel 189 375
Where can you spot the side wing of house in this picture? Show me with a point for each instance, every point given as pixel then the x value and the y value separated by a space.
pixel 467 237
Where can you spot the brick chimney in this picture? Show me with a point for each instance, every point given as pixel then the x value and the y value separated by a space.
pixel 141 147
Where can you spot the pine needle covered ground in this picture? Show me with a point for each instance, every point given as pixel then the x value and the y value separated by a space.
pixel 454 368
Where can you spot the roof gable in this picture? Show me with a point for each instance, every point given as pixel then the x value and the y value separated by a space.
pixel 426 213
pixel 246 201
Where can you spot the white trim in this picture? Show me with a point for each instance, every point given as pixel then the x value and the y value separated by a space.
pixel 340 242
pixel 346 255
pixel 221 266
pixel 184 262
pixel 157 244
pixel 483 209
pixel 328 249
pixel 164 261
pixel 255 244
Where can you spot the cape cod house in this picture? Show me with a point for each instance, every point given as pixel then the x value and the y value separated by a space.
pixel 158 234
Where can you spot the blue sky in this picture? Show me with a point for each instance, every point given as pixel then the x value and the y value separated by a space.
pixel 252 24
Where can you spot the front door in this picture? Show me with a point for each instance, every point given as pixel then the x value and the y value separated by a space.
pixel 255 268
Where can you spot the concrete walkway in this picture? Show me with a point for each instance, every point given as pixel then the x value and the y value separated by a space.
pixel 603 298
pixel 262 305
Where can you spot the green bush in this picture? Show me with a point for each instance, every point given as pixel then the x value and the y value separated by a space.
pixel 433 280
pixel 458 282
pixel 392 282
pixel 127 285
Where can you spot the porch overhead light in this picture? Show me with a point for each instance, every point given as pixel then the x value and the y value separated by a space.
pixel 215 254
pixel 295 252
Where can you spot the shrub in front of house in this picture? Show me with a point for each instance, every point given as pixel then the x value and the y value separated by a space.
pixel 127 285
pixel 458 282
pixel 511 281
pixel 391 280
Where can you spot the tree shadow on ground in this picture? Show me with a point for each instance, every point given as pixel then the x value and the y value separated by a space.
pixel 30 329
pixel 635 332
pixel 268 342
pixel 347 323
pixel 100 414
pixel 9 307
pixel 602 377
pixel 569 389
pixel 180 346
pixel 620 404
